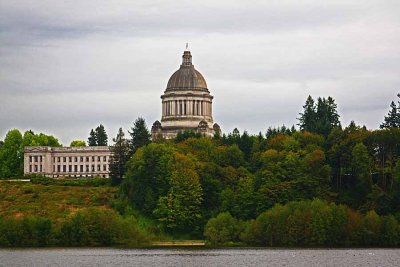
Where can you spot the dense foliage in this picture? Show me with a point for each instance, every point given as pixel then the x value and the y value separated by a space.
pixel 88 227
pixel 306 223
pixel 242 175
pixel 77 143
pixel 71 181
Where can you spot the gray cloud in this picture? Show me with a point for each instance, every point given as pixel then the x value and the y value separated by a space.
pixel 65 67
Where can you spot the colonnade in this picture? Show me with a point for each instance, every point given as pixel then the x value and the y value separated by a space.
pixel 186 107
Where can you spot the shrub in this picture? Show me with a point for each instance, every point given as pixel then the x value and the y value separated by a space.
pixel 222 229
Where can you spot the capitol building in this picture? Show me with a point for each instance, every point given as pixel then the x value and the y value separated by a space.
pixel 186 104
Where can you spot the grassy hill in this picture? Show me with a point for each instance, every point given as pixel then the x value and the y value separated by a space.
pixel 56 202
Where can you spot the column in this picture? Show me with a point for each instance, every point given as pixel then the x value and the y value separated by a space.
pixel 166 108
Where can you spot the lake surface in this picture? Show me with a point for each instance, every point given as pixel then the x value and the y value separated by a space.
pixel 198 257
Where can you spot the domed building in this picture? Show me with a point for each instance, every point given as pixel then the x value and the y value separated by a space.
pixel 186 104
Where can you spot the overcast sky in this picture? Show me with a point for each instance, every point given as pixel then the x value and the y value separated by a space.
pixel 67 66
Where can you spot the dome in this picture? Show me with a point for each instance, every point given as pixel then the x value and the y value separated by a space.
pixel 187 77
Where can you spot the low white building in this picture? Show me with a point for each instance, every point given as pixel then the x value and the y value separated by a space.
pixel 92 161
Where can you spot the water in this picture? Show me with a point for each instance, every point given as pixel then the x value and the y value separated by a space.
pixel 198 257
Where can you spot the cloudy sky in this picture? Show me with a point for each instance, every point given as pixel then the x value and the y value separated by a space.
pixel 67 66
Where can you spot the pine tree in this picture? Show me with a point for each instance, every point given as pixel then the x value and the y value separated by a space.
pixel 92 140
pixel 101 136
pixel 119 157
pixel 392 120
pixel 320 118
pixel 307 119
pixel 140 135
pixel 327 117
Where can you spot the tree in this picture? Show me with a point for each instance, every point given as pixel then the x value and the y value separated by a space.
pixel 392 120
pixel 101 136
pixel 119 157
pixel 77 143
pixel 361 169
pixel 98 137
pixel 307 119
pixel 180 209
pixel 320 118
pixel 222 229
pixel 11 155
pixel 327 116
pixel 92 140
pixel 147 176
pixel 140 135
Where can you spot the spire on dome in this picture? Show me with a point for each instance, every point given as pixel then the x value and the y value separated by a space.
pixel 186 58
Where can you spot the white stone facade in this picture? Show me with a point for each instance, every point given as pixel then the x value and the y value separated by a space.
pixel 92 161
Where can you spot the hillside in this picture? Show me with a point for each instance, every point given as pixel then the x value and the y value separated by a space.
pixel 20 199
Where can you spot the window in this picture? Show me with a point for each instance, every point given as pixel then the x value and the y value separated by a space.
pixel 35 168
pixel 76 159
pixel 64 168
pixel 30 168
pixel 70 168
pixel 40 158
pixel 76 168
pixel 104 167
pixel 93 158
pixel 87 159
pixel 93 168
pixel 98 168
pixel 70 159
pixel 30 158
pixel 81 159
pixel 58 159
pixel 104 158
pixel 98 158
pixel 54 168
pixel 54 160
pixel 40 168
pixel 35 159
pixel 64 159
pixel 87 168
pixel 59 168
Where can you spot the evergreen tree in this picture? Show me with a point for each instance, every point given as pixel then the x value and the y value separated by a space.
pixel 101 136
pixel 119 157
pixel 327 117
pixel 307 119
pixel 140 135
pixel 392 120
pixel 92 140
pixel 320 118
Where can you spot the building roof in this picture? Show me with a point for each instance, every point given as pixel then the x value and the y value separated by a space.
pixel 187 77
